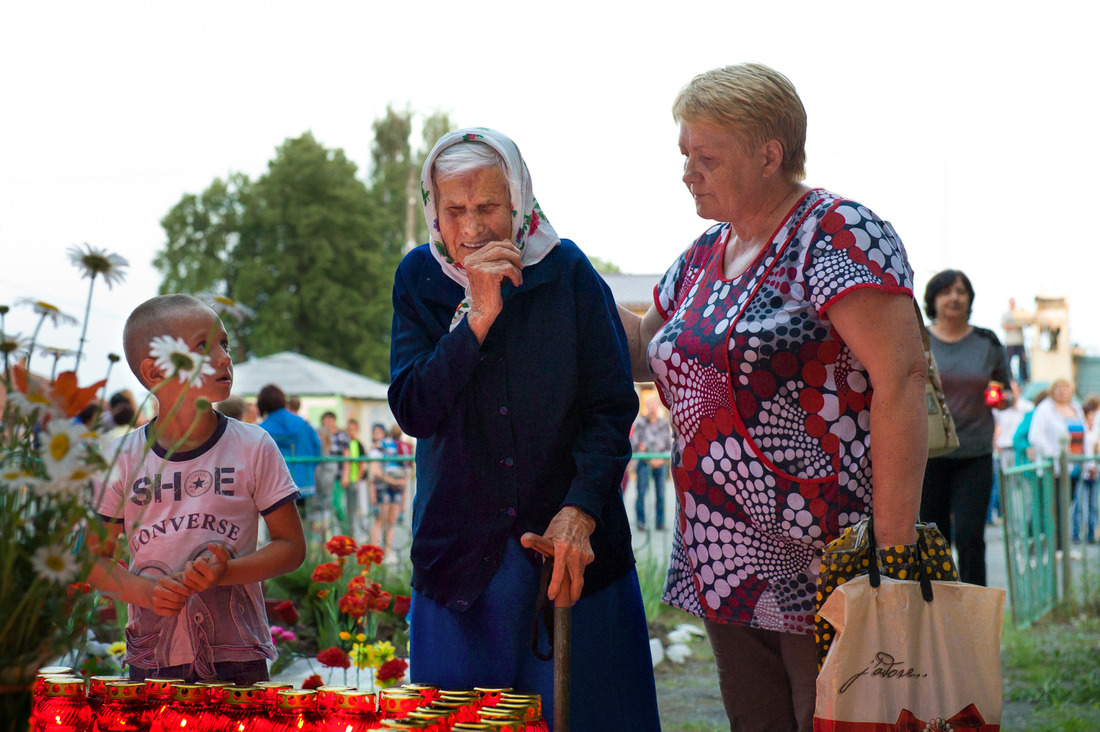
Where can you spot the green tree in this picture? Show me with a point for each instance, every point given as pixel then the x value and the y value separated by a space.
pixel 604 266
pixel 202 231
pixel 395 171
pixel 309 246
pixel 312 260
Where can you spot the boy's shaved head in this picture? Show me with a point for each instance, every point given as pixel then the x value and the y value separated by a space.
pixel 152 319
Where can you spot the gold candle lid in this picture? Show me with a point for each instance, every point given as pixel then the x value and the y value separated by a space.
pixel 188 692
pixel 125 690
pixel 97 685
pixel 354 700
pixel 160 687
pixel 64 685
pixel 244 695
pixel 296 699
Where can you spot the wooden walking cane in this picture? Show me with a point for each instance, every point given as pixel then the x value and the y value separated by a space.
pixel 562 631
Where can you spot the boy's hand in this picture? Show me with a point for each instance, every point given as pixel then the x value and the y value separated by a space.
pixel 168 596
pixel 206 571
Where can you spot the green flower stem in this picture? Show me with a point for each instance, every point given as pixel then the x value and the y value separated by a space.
pixel 34 340
pixel 87 313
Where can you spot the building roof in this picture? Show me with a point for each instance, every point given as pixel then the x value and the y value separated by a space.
pixel 300 375
pixel 632 290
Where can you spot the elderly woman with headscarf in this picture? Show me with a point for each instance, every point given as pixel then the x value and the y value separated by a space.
pixel 509 366
pixel 765 340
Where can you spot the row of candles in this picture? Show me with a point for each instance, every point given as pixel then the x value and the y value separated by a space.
pixel 66 703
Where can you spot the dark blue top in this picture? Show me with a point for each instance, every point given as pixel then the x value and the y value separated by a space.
pixel 534 419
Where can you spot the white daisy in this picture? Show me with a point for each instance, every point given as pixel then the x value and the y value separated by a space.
pixel 55 563
pixel 13 345
pixel 72 481
pixel 17 478
pixel 47 310
pixel 55 352
pixel 63 447
pixel 174 358
pixel 92 261
pixel 33 405
pixel 224 306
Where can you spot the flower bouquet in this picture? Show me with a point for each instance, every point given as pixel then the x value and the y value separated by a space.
pixel 348 610
pixel 50 452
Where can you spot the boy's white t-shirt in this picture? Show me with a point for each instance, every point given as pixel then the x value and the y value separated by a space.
pixel 171 510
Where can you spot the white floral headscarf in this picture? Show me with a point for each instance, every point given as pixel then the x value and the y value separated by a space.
pixel 531 232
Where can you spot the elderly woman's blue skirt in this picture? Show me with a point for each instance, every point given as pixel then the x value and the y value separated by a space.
pixel 489 645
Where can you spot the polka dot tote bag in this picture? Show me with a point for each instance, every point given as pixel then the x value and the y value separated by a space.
pixel 849 556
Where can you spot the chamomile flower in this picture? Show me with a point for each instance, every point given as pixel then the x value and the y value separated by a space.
pixel 54 563
pixel 224 306
pixel 54 352
pixel 174 358
pixel 93 262
pixel 17 478
pixel 13 345
pixel 48 311
pixel 33 404
pixel 63 448
pixel 71 481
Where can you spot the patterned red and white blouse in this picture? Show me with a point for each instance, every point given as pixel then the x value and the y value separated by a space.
pixel 771 410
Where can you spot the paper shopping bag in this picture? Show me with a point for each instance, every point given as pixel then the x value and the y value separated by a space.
pixel 901 663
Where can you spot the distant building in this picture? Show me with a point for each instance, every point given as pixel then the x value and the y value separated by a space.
pixel 633 291
pixel 320 386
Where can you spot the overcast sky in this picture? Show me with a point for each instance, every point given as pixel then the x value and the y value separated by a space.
pixel 969 125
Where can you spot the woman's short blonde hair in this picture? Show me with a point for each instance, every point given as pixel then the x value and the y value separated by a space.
pixel 752 100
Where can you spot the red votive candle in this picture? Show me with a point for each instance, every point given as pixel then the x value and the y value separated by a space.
pixel 123 708
pixel 65 708
pixel 295 711
pixel 187 710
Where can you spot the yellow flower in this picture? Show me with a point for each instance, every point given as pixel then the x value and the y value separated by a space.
pixel 379 653
pixel 360 637
pixel 361 657
pixel 344 635
pixel 117 649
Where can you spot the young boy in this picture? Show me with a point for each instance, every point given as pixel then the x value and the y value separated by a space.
pixel 188 509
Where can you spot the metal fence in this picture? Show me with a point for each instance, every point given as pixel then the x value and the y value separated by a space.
pixel 1034 503
pixel 1036 499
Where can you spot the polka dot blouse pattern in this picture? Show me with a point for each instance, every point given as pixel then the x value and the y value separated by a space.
pixel 771 410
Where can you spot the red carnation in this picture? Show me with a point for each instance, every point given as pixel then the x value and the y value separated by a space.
pixel 313 682
pixel 392 669
pixel 379 602
pixel 286 612
pixel 341 546
pixel 369 553
pixel 327 572
pixel 334 658
pixel 401 605
pixel 354 605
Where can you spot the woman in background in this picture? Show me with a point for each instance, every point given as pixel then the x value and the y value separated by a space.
pixel 957 486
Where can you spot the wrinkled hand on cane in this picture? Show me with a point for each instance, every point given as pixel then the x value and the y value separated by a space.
pixel 562 631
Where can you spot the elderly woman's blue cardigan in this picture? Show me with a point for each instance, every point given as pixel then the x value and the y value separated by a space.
pixel 509 432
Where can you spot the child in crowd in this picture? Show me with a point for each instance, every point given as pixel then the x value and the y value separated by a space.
pixel 189 510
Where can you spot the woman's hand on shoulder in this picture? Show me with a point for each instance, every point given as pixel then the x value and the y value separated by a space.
pixel 487 269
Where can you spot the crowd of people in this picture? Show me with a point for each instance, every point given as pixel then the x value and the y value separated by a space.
pixel 361 489
pixel 352 483
pixel 515 371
